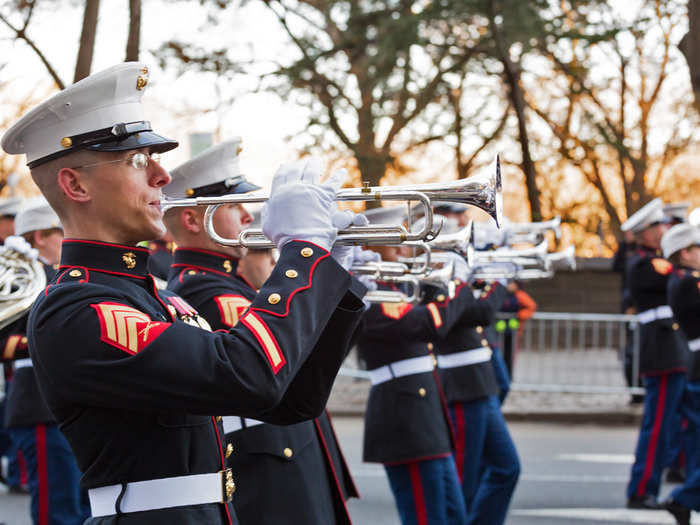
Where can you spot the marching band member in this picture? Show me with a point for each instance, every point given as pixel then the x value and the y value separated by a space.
pixel 53 475
pixel 406 424
pixel 294 470
pixel 681 246
pixel 663 353
pixel 133 385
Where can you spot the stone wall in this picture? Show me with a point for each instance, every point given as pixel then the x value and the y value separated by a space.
pixel 592 288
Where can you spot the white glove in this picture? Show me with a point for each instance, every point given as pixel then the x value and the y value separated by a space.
pixel 461 269
pixel 18 244
pixel 299 208
pixel 346 254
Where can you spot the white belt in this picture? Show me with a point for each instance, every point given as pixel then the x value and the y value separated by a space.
pixel 405 367
pixel 164 493
pixel 694 345
pixel 465 358
pixel 654 314
pixel 23 363
pixel 233 423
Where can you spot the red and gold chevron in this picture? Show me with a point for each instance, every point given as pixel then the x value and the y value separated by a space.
pixel 127 328
pixel 396 310
pixel 266 339
pixel 231 307
pixel 435 313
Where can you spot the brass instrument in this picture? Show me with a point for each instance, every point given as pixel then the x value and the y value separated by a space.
pixel 483 191
pixel 21 280
pixel 531 232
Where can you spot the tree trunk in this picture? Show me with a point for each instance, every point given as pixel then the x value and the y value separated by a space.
pixel 134 41
pixel 87 40
pixel 690 47
pixel 372 166
pixel 511 72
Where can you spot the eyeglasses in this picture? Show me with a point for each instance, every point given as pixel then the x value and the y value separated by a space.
pixel 138 161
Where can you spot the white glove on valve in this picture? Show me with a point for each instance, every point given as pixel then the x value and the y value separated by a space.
pixel 299 208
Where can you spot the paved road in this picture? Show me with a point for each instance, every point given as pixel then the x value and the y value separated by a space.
pixel 572 474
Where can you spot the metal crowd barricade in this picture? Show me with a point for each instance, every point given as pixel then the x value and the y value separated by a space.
pixel 568 352
pixel 571 352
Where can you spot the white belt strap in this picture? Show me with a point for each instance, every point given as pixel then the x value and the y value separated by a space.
pixel 233 423
pixel 654 314
pixel 465 358
pixel 162 493
pixel 405 367
pixel 694 345
pixel 23 363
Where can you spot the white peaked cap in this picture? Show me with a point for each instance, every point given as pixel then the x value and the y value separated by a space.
pixel 648 214
pixel 215 171
pixel 37 215
pixel 102 112
pixel 679 237
pixel 10 205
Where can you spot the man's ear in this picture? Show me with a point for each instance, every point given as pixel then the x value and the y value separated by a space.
pixel 72 184
pixel 191 220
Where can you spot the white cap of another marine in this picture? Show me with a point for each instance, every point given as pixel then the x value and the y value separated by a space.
pixel 102 112
pixel 37 215
pixel 679 237
pixel 651 213
pixel 10 206
pixel 215 171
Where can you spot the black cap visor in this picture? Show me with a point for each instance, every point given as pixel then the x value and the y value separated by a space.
pixel 143 139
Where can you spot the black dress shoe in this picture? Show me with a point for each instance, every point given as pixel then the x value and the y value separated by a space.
pixel 645 502
pixel 679 512
pixel 675 475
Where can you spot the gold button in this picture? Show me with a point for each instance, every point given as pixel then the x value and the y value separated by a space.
pixel 75 273
pixel 227 266
pixel 274 298
pixel 287 452
pixel 440 298
pixel 430 346
pixel 479 329
pixel 229 450
pixel 291 273
pixel 189 192
pixel 487 287
pixel 66 142
pixel 675 326
pixel 218 418
pixel 306 252
pixel 422 392
pixel 484 342
pixel 192 272
pixel 23 340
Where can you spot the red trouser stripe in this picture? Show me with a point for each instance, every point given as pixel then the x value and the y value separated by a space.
pixel 460 436
pixel 22 465
pixel 42 474
pixel 418 498
pixel 654 439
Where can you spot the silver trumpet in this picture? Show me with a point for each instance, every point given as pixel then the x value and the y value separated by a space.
pixel 537 255
pixel 564 258
pixel 418 265
pixel 510 270
pixel 531 232
pixel 396 296
pixel 483 191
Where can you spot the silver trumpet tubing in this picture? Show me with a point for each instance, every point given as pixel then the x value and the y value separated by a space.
pixel 21 281
pixel 510 271
pixel 396 296
pixel 483 191
pixel 442 277
pixel 531 232
pixel 563 259
pixel 536 255
pixel 458 241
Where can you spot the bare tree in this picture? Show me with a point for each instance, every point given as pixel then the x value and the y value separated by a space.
pixel 690 47
pixel 133 41
pixel 83 63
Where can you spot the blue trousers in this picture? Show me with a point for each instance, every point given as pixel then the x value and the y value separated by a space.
pixel 486 458
pixel 661 405
pixel 501 371
pixel 53 476
pixel 9 450
pixel 688 494
pixel 427 492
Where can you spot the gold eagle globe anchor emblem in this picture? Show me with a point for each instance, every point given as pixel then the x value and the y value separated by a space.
pixel 129 260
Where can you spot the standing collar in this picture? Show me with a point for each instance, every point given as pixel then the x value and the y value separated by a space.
pixel 106 257
pixel 217 262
